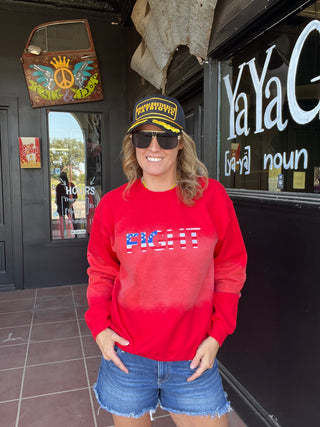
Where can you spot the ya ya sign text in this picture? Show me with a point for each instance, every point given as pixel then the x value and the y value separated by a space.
pixel 268 103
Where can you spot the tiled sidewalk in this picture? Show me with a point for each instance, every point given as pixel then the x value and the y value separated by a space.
pixel 49 362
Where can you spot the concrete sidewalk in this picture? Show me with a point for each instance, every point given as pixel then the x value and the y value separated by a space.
pixel 49 362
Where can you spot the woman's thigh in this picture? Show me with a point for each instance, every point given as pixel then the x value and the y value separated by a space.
pixel 144 421
pixel 182 420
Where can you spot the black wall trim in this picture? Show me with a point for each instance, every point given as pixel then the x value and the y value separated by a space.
pixel 211 95
pixel 298 200
pixel 249 400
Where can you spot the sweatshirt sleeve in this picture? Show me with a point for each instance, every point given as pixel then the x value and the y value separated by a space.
pixel 230 259
pixel 102 271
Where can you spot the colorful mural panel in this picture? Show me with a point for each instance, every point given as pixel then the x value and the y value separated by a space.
pixel 61 77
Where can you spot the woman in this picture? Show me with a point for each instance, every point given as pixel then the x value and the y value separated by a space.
pixel 167 263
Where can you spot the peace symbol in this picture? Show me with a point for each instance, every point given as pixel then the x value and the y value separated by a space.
pixel 63 78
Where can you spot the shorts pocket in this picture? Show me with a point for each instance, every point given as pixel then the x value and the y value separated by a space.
pixel 119 350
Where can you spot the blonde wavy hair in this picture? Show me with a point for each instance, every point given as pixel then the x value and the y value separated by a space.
pixel 190 169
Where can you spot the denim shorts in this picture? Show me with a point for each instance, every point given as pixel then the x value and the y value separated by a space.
pixel 150 383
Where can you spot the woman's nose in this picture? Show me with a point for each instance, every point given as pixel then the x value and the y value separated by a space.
pixel 154 145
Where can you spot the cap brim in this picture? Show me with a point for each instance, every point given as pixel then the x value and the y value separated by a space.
pixel 166 126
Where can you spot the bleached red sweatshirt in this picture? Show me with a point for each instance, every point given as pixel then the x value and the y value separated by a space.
pixel 164 275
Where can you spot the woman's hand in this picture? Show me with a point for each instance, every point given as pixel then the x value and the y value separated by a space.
pixel 106 341
pixel 204 358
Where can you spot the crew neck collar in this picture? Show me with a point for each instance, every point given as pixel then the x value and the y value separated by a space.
pixel 142 184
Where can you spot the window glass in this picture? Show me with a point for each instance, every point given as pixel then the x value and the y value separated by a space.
pixel 269 110
pixel 40 39
pixel 75 172
pixel 62 37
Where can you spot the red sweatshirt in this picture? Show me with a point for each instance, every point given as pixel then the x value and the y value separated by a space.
pixel 164 275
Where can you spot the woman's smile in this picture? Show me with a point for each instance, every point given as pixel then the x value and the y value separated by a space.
pixel 154 159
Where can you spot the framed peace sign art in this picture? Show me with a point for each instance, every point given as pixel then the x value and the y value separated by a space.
pixel 60 64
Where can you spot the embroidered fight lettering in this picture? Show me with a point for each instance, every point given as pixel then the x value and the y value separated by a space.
pixel 143 241
pixel 183 241
pixel 131 243
pixel 158 240
pixel 194 239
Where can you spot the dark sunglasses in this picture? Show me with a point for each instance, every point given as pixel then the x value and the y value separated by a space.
pixel 143 139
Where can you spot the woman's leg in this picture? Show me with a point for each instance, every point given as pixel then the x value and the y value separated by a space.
pixel 182 420
pixel 144 421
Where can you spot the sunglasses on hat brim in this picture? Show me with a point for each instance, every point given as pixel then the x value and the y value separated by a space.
pixel 143 139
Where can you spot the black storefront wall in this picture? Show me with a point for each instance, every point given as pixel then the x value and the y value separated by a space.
pixel 270 364
pixel 32 259
pixel 275 351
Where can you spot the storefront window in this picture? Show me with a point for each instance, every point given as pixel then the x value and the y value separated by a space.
pixel 75 172
pixel 269 110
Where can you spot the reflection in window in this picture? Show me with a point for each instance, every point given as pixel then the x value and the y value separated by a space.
pixel 75 172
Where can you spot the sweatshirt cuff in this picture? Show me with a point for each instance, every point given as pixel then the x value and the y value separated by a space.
pixel 224 317
pixel 218 333
pixel 97 321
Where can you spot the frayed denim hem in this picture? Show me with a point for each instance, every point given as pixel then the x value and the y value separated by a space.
pixel 218 413
pixel 130 415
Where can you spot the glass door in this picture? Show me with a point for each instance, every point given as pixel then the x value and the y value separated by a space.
pixel 75 172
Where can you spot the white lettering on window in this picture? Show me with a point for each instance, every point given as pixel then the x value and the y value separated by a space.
pixel 232 98
pixel 277 103
pixel 298 114
pixel 278 160
pixel 244 163
pixel 238 124
pixel 258 84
